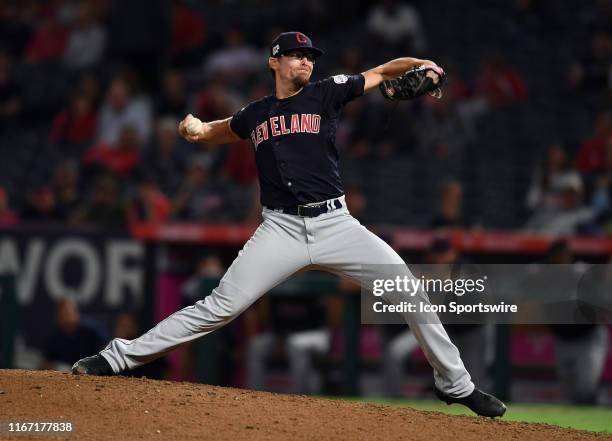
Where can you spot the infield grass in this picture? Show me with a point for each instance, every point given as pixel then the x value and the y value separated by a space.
pixel 593 418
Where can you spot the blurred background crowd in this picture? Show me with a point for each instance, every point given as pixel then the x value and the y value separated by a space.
pixel 91 93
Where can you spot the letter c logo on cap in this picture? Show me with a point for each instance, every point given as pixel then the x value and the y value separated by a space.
pixel 301 38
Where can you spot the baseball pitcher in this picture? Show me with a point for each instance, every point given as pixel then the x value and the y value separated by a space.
pixel 306 221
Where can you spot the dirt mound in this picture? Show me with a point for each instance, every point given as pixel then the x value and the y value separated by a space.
pixel 119 408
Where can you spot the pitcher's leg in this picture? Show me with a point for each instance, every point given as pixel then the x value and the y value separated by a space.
pixel 345 246
pixel 275 252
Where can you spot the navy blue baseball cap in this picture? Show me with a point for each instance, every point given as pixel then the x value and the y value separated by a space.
pixel 289 41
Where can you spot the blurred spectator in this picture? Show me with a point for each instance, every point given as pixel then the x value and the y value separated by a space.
pixel 87 39
pixel 221 345
pixel 297 330
pixel 450 214
pixel 360 149
pixel 441 130
pixel 162 39
pixel 165 158
pixel 596 14
pixel 397 24
pixel 571 216
pixel 173 98
pixel 358 123
pixel 88 85
pixel 41 206
pixel 104 207
pixel 48 43
pixel 592 71
pixel 16 26
pixel 209 267
pixel 76 125
pixel 122 109
pixel 356 201
pixel 457 89
pixel 499 84
pixel 66 187
pixel 188 34
pixel 72 339
pixel 11 95
pixel 600 199
pixel 217 100
pixel 149 205
pixel 592 154
pixel 526 15
pixel 239 165
pixel 203 197
pixel 601 195
pixel 240 173
pixel 119 158
pixel 235 59
pixel 385 148
pixel 351 61
pixel 139 36
pixel 545 181
pixel 580 348
pixel 7 216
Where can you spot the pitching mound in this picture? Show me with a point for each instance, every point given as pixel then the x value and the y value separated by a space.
pixel 118 408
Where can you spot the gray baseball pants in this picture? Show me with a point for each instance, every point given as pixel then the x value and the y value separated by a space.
pixel 282 245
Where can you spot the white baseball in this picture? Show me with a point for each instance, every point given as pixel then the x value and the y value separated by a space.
pixel 194 126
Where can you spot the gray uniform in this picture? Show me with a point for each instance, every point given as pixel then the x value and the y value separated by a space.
pixel 282 245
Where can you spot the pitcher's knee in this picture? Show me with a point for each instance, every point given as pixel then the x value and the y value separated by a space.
pixel 225 303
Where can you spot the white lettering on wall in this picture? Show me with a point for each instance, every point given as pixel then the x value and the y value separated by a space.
pixel 90 279
pixel 119 276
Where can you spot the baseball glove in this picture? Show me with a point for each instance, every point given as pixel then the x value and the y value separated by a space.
pixel 411 85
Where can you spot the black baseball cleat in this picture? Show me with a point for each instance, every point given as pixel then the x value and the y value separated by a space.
pixel 94 365
pixel 478 401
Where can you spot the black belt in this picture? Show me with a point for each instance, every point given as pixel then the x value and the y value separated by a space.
pixel 310 210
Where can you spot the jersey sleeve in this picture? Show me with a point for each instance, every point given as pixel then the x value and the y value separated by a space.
pixel 240 122
pixel 340 89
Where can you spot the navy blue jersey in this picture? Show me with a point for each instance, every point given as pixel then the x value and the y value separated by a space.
pixel 295 141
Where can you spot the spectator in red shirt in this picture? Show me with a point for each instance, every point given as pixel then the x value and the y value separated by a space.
pixel 239 164
pixel 121 158
pixel 217 99
pixel 149 205
pixel 499 83
pixel 76 125
pixel 41 206
pixel 188 34
pixel 48 43
pixel 592 154
pixel 457 89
